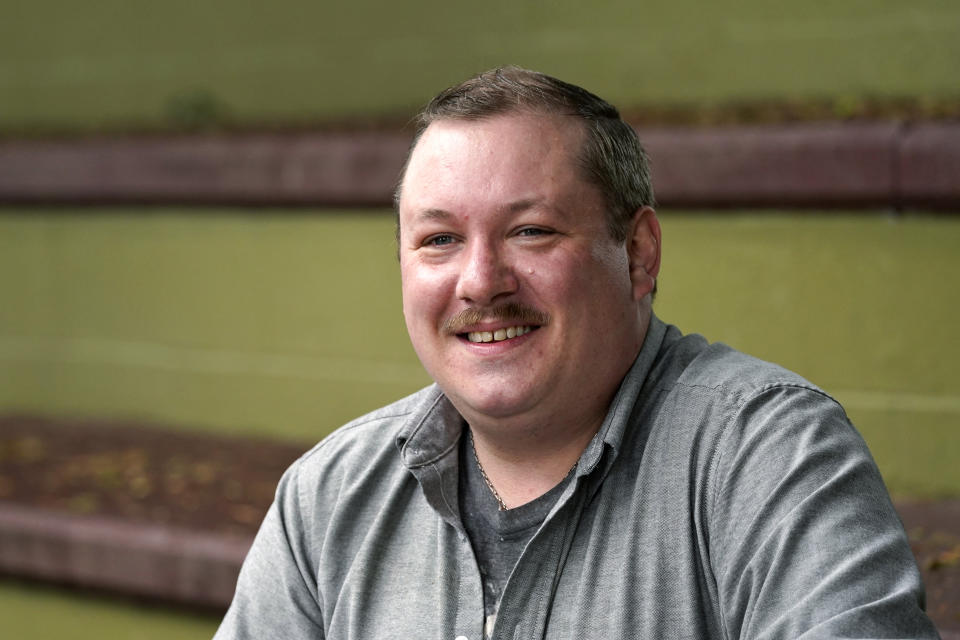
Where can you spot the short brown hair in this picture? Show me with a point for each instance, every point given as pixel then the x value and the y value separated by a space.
pixel 612 157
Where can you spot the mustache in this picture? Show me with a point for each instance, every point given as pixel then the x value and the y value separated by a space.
pixel 512 312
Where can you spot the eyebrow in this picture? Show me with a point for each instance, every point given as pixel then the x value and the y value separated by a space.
pixel 537 203
pixel 523 205
pixel 434 214
pixel 512 208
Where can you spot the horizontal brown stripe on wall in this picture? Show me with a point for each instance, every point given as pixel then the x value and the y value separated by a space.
pixel 850 164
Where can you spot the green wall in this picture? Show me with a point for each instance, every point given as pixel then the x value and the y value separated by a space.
pixel 289 324
pixel 281 323
pixel 121 64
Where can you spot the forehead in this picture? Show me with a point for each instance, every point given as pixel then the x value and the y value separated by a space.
pixel 505 156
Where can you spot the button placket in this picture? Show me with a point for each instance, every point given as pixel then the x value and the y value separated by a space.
pixel 469 614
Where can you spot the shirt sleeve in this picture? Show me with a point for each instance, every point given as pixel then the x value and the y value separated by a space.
pixel 805 541
pixel 276 596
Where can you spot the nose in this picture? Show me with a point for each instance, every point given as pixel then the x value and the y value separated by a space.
pixel 485 274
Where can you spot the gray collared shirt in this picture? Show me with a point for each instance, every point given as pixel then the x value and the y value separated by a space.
pixel 723 497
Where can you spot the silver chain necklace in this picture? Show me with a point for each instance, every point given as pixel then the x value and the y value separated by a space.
pixel 502 505
pixel 473 445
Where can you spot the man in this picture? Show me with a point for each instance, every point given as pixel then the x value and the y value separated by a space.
pixel 579 469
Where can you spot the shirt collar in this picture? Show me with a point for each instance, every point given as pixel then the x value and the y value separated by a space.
pixel 431 432
pixel 611 432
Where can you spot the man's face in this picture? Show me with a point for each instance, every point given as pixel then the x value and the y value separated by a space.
pixel 518 301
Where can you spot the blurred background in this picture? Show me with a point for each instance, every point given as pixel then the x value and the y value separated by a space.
pixel 285 322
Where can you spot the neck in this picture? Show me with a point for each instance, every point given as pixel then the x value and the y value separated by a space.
pixel 523 469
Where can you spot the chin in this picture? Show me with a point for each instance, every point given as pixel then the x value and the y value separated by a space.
pixel 492 405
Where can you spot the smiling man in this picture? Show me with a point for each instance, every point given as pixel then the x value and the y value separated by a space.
pixel 580 469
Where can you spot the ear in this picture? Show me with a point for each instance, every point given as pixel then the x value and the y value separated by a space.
pixel 643 249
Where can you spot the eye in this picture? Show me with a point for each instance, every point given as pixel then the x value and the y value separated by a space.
pixel 533 232
pixel 439 240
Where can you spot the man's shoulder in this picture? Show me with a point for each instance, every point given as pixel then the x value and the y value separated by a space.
pixel 367 438
pixel 394 413
pixel 723 370
pixel 716 389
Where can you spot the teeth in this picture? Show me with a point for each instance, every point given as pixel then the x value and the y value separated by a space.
pixel 498 335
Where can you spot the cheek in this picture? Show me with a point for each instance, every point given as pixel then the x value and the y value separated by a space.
pixel 611 257
pixel 582 272
pixel 425 294
pixel 583 290
pixel 610 269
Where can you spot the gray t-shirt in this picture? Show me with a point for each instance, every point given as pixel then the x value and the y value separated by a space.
pixel 498 537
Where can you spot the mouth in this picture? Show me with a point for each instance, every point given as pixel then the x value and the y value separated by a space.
pixel 503 322
pixel 499 335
